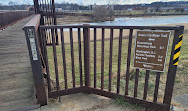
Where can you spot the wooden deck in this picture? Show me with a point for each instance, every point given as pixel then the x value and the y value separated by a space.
pixel 16 81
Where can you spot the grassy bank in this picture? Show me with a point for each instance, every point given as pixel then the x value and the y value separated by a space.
pixel 180 83
pixel 81 18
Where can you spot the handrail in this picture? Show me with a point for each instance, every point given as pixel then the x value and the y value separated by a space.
pixel 112 27
pixel 8 18
pixel 34 22
pixel 49 36
pixel 34 48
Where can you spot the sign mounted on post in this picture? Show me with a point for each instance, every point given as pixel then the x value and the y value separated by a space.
pixel 32 44
pixel 151 49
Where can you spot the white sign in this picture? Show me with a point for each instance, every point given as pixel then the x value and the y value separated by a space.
pixel 32 44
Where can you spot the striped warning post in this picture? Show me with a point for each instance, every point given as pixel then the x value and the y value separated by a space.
pixel 177 51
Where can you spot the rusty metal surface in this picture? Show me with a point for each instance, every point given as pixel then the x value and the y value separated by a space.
pixel 103 90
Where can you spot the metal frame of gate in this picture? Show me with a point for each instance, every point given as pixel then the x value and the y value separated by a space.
pixel 41 34
pixel 43 31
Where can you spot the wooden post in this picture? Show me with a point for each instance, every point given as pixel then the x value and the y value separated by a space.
pixel 87 55
pixel 172 68
pixel 33 48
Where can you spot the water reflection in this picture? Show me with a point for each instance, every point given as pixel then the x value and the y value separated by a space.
pixel 144 21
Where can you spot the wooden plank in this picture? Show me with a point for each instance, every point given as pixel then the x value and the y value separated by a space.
pixel 128 61
pixel 156 86
pixel 35 21
pixel 102 59
pixel 146 84
pixel 95 56
pixel 64 58
pixel 72 57
pixel 136 83
pixel 110 58
pixel 80 56
pixel 119 60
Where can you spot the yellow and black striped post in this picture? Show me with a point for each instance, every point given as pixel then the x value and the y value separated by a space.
pixel 177 51
pixel 174 59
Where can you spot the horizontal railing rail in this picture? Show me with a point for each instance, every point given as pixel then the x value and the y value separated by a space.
pixel 112 27
pixel 7 18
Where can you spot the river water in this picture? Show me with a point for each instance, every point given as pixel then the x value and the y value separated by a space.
pixel 145 21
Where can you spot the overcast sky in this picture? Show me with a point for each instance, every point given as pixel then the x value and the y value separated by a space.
pixel 88 2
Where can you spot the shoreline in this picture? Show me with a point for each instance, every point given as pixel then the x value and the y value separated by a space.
pixel 107 31
pixel 86 19
pixel 107 34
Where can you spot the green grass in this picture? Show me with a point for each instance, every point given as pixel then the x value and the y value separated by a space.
pixel 181 73
pixel 76 60
pixel 144 12
pixel 120 101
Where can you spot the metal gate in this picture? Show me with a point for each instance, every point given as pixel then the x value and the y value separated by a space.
pixel 43 37
pixel 82 81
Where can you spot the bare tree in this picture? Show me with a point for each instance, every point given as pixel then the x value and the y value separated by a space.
pixel 103 13
pixel 11 3
pixel 100 13
pixel 110 11
pixel 111 8
pixel 157 9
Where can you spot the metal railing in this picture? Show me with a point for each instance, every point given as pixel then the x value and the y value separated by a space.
pixel 39 36
pixel 7 18
pixel 48 32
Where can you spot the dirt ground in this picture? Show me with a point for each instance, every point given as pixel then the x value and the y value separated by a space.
pixel 73 20
pixel 84 102
pixel 16 80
